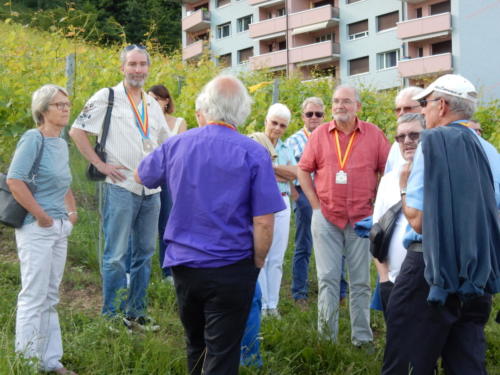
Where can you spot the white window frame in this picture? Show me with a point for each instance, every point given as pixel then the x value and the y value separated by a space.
pixel 382 58
pixel 360 35
pixel 239 23
pixel 220 30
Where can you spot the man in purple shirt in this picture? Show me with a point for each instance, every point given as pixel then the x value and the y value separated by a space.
pixel 221 224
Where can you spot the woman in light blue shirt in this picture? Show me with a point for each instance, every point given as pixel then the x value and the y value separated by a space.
pixel 42 240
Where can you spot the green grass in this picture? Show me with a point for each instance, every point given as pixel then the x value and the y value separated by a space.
pixel 289 346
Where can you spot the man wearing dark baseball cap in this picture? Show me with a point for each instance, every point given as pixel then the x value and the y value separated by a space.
pixel 441 300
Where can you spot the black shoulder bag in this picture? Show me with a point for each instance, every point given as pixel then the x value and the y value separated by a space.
pixel 12 213
pixel 381 232
pixel 92 173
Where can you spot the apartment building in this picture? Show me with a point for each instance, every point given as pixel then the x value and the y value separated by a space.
pixel 381 44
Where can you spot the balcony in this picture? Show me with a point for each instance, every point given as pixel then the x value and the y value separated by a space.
pixel 316 53
pixel 313 19
pixel 413 1
pixel 194 49
pixel 268 28
pixel 265 3
pixel 196 21
pixel 424 28
pixel 425 65
pixel 268 60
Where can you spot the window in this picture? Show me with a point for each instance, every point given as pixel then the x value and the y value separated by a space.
pixel 282 45
pixel 220 3
pixel 387 21
pixel 441 47
pixel 322 3
pixel 325 37
pixel 440 8
pixel 420 52
pixel 243 23
pixel 358 66
pixel 387 60
pixel 419 12
pixel 357 30
pixel 244 55
pixel 225 60
pixel 280 12
pixel 223 30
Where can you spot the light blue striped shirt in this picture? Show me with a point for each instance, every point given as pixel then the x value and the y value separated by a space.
pixel 285 157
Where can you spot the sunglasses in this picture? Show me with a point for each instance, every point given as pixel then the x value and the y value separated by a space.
pixel 413 137
pixel 134 46
pixel 317 114
pixel 406 109
pixel 276 123
pixel 423 102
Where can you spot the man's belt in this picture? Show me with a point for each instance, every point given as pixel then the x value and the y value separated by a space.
pixel 416 247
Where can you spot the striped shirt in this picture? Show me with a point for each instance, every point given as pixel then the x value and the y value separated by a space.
pixel 125 145
pixel 297 143
pixel 285 157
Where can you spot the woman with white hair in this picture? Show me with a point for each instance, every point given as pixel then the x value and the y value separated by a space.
pixel 285 170
pixel 43 238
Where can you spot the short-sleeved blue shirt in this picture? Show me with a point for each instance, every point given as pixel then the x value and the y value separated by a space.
pixel 285 157
pixel 219 180
pixel 54 176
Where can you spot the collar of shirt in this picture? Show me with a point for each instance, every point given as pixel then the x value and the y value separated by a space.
pixel 358 125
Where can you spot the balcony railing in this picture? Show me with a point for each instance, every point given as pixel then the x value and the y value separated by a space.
pixel 196 21
pixel 313 16
pixel 263 2
pixel 194 49
pixel 316 51
pixel 268 60
pixel 424 26
pixel 268 27
pixel 425 65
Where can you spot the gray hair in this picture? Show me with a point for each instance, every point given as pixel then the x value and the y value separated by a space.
pixel 412 117
pixel 356 93
pixel 464 107
pixel 312 100
pixel 133 47
pixel 199 102
pixel 226 99
pixel 41 99
pixel 279 110
pixel 410 91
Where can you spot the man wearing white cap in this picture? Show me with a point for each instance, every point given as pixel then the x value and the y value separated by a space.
pixel 442 297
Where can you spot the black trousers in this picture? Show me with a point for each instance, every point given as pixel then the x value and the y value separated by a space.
pixel 214 304
pixel 418 333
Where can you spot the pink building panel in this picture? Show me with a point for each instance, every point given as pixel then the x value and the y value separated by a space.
pixel 312 16
pixel 424 26
pixel 425 65
pixel 267 27
pixel 196 21
pixel 268 60
pixel 314 51
pixel 193 50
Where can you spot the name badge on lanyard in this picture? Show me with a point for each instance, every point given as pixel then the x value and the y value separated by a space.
pixel 341 178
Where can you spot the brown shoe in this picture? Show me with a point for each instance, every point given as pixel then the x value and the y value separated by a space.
pixel 302 304
pixel 63 371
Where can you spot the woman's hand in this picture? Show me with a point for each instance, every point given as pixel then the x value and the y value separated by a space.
pixel 45 221
pixel 73 217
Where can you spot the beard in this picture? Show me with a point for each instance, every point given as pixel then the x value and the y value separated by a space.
pixel 136 80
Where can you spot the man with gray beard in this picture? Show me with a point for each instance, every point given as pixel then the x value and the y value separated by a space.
pixel 130 210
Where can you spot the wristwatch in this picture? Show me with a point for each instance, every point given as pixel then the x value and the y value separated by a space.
pixel 402 191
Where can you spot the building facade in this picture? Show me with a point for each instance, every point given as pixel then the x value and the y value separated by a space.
pixel 380 44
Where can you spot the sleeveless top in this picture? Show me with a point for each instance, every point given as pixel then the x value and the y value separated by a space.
pixel 177 125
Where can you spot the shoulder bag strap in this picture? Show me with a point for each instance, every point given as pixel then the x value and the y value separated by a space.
pixel 107 118
pixel 34 169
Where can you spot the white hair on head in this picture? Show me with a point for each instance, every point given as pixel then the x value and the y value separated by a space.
pixel 279 110
pixel 412 117
pixel 312 100
pixel 199 101
pixel 410 91
pixel 225 99
pixel 356 92
pixel 133 47
pixel 41 99
pixel 465 108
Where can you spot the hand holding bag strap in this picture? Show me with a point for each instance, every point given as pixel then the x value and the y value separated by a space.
pixel 107 118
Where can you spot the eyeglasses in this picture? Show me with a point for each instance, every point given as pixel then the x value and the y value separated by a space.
pixel 281 125
pixel 134 46
pixel 62 105
pixel 413 137
pixel 343 101
pixel 423 102
pixel 406 109
pixel 317 114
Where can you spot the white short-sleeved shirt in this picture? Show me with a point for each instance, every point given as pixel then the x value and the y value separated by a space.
pixel 388 194
pixel 124 145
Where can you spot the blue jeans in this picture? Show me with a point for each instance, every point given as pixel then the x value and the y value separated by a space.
pixel 250 343
pixel 125 215
pixel 166 207
pixel 303 245
pixel 303 248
